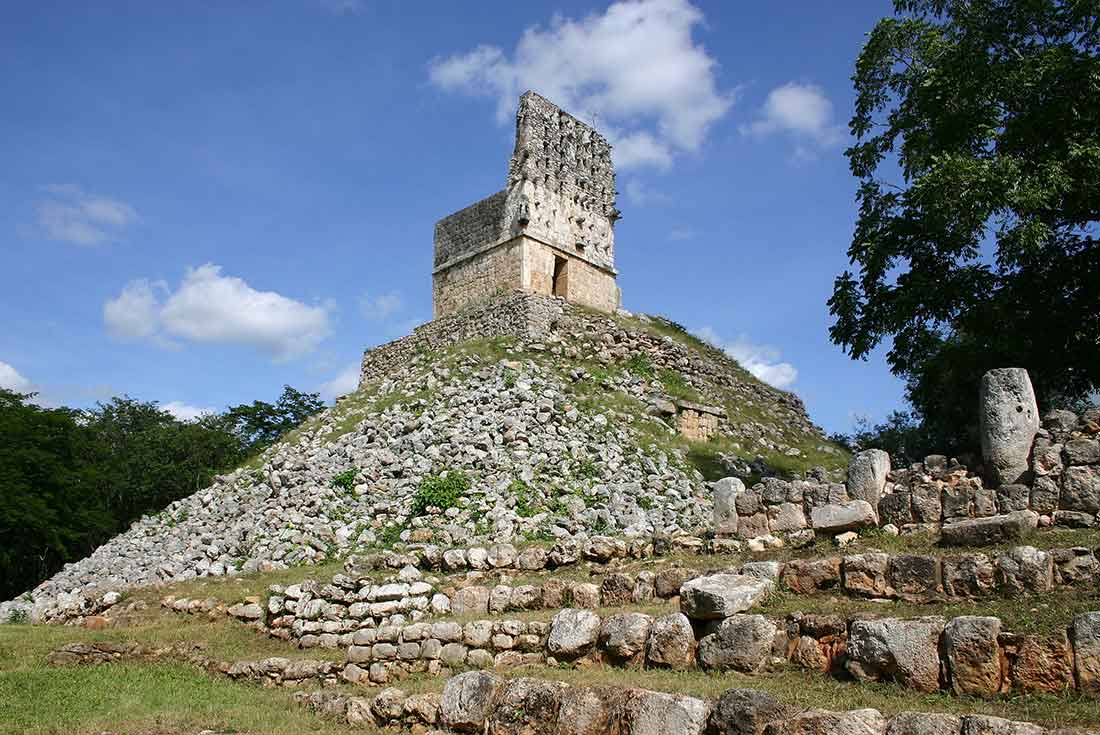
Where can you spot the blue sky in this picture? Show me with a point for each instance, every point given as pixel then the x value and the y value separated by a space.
pixel 202 202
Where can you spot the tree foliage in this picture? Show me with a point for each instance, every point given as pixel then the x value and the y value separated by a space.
pixel 70 479
pixel 977 126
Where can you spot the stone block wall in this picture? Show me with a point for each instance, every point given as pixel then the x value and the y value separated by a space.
pixel 479 225
pixel 586 283
pixel 479 278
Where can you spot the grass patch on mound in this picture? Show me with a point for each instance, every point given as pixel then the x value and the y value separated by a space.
pixel 160 699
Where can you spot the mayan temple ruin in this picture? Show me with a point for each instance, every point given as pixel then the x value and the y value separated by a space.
pixel 549 231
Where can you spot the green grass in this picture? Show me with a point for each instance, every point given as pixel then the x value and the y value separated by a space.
pixel 159 698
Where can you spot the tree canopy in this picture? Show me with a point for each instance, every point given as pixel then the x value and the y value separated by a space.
pixel 977 126
pixel 70 479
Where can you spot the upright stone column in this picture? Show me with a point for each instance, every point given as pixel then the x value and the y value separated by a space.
pixel 1009 421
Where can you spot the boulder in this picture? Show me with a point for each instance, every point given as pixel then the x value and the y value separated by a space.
pixel 656 713
pixel 837 517
pixel 968 575
pixel 745 712
pixel 721 595
pixel 467 700
pixel 988 531
pixel 805 576
pixel 587 710
pixel 573 633
pixel 1042 663
pixel 973 655
pixel 527 706
pixel 1081 489
pixel 669 580
pixel 989 725
pixel 741 643
pixel 1009 420
pixel 867 474
pixel 915 577
pixel 585 594
pixel 472 600
pixel 906 651
pixel 623 637
pixel 866 574
pixel 725 505
pixel 1083 451
pixel 824 722
pixel 923 723
pixel 671 642
pixel 1026 569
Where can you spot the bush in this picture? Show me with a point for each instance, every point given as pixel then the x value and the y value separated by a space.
pixel 441 491
pixel 522 491
pixel 346 480
pixel 18 616
pixel 641 366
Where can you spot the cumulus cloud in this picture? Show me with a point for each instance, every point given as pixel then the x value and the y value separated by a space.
pixel 640 194
pixel 212 308
pixel 12 380
pixel 763 361
pixel 634 70
pixel 69 214
pixel 346 381
pixel 380 306
pixel 802 111
pixel 183 411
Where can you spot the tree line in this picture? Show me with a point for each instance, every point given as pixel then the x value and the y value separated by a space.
pixel 70 479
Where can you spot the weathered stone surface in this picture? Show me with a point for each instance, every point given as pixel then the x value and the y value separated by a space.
pixel 745 712
pixel 669 580
pixel 923 723
pixel 616 590
pixel 1083 451
pixel 824 722
pixel 969 575
pixel 472 600
pixel 786 517
pixel 805 576
pixel 896 508
pixel 1042 664
pixel 587 710
pixel 1085 636
pixel 973 655
pixel 573 633
pixel 726 491
pixel 741 643
pixel 585 594
pixel 623 637
pixel 389 704
pixel 866 574
pixel 1009 420
pixel 656 713
pixel 834 518
pixel 992 530
pixel 721 595
pixel 867 474
pixel 906 651
pixel 467 700
pixel 915 577
pixel 1081 489
pixel 1026 569
pixel 526 706
pixel 671 642
pixel 989 725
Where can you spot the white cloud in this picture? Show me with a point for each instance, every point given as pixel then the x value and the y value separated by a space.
pixel 800 110
pixel 346 381
pixel 183 411
pixel 760 360
pixel 12 380
pixel 640 194
pixel 634 69
pixel 70 214
pixel 380 306
pixel 211 308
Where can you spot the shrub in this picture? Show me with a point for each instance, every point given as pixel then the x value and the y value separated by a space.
pixel 588 469
pixel 441 491
pixel 18 616
pixel 522 491
pixel 346 480
pixel 641 366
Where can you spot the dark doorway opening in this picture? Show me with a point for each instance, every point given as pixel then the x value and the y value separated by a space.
pixel 560 285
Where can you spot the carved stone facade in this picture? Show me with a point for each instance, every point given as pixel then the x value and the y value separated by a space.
pixel 696 421
pixel 551 231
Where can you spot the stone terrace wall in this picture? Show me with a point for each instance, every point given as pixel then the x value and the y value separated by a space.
pixel 467 230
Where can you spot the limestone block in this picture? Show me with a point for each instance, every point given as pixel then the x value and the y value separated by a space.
pixel 671 642
pixel 992 530
pixel 669 580
pixel 989 725
pixel 656 713
pixel 824 722
pixel 806 576
pixel 1042 664
pixel 835 518
pixel 906 651
pixel 1081 489
pixel 867 474
pixel 467 700
pixel 585 594
pixel 1026 569
pixel 526 705
pixel 896 508
pixel 915 577
pixel 745 712
pixel 1009 420
pixel 969 575
pixel 1086 651
pixel 623 637
pixel 573 633
pixel 786 517
pixel 973 655
pixel 923 723
pixel 473 600
pixel 616 590
pixel 587 710
pixel 726 491
pixel 1082 451
pixel 721 595
pixel 740 642
pixel 867 574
